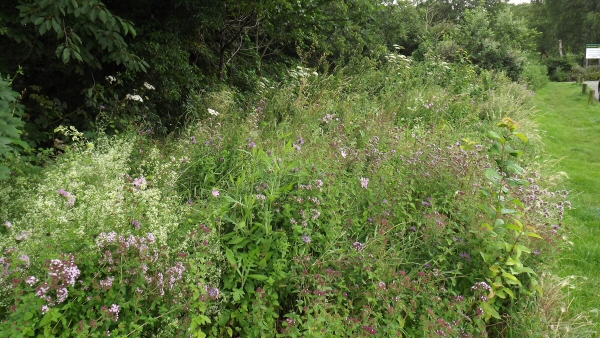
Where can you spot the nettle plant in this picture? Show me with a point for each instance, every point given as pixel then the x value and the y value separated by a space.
pixel 504 240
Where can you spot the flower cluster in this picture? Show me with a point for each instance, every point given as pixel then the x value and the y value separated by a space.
pixel 63 273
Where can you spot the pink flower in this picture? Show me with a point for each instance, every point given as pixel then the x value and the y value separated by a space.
pixel 8 224
pixel 45 309
pixel 215 193
pixel 364 182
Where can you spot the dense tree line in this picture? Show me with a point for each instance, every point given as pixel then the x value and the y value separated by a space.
pixel 81 58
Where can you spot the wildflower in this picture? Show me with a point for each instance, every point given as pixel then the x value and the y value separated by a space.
pixel 8 224
pixel 107 283
pixel 481 285
pixel 61 295
pixel 25 259
pixel 306 239
pixel 426 203
pixel 213 112
pixel 213 292
pixel 102 107
pixel 536 252
pixel 358 246
pixel 149 86
pixel 364 182
pixel 193 141
pixel 31 280
pixel 466 255
pixel 134 98
pixel 140 182
pixel 184 160
pixel 45 309
pixel 114 311
pixel 23 235
pixel 413 229
pixel 111 79
pixel 251 144
pixel 136 223
pixel 215 193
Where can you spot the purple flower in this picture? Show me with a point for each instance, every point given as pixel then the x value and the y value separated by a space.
pixel 184 160
pixel 8 224
pixel 139 182
pixel 358 246
pixel 215 193
pixel 136 223
pixel 102 107
pixel 426 203
pixel 413 229
pixel 114 311
pixel 364 182
pixel 64 193
pixel 213 293
pixel 251 144
pixel 194 140
pixel 190 201
pixel 31 280
pixel 306 239
pixel 466 255
pixel 536 252
pixel 45 309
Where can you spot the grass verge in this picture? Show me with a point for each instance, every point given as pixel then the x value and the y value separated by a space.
pixel 572 135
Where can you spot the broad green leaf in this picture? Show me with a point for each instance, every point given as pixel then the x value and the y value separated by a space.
pixel 230 257
pixel 522 136
pixel 258 277
pixel 489 311
pixel 533 234
pixel 495 136
pixel 66 55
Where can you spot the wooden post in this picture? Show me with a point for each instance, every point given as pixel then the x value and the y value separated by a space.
pixel 579 79
pixel 592 96
pixel 584 88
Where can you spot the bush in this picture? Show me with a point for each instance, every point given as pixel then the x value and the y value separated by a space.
pixel 534 75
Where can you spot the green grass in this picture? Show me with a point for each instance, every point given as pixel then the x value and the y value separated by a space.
pixel 572 135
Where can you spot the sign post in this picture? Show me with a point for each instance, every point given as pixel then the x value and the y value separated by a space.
pixel 592 51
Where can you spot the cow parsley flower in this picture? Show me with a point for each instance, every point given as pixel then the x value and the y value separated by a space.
pixel 213 112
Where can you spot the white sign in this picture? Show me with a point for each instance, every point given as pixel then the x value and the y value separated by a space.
pixel 592 51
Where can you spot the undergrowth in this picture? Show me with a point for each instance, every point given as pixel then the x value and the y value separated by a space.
pixel 386 199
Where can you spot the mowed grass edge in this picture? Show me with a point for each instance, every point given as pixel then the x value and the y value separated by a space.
pixel 571 134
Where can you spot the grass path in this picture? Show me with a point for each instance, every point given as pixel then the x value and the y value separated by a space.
pixel 571 132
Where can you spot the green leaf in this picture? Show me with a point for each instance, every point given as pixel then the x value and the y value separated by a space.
pixel 66 55
pixel 495 136
pixel 39 20
pixel 489 311
pixel 533 234
pixel 236 240
pixel 492 174
pixel 4 172
pixel 522 136
pixel 258 277
pixel 103 17
pixel 230 257
pixel 514 227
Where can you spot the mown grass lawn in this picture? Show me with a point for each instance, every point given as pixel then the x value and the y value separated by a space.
pixel 571 133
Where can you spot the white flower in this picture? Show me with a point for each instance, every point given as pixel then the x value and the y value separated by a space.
pixel 134 98
pixel 111 79
pixel 149 86
pixel 213 112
